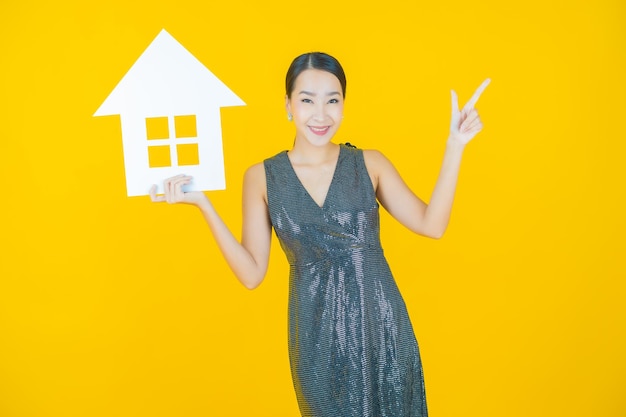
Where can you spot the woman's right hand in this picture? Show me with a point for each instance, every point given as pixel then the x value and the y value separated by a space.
pixel 173 192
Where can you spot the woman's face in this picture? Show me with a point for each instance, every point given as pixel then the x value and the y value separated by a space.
pixel 316 104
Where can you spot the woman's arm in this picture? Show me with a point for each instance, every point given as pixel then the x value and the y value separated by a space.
pixel 249 259
pixel 395 196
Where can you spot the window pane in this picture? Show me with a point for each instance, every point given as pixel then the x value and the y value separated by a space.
pixel 185 126
pixel 188 154
pixel 157 128
pixel 159 156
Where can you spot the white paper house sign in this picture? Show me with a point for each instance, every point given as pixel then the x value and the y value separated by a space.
pixel 169 107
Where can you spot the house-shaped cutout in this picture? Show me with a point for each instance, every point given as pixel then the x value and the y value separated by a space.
pixel 169 106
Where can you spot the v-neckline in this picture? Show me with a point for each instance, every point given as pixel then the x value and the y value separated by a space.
pixel 330 186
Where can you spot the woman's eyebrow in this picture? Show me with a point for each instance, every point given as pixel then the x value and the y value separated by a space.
pixel 308 93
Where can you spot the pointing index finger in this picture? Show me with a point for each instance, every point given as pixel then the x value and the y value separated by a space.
pixel 472 101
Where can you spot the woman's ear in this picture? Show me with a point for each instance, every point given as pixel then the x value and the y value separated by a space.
pixel 287 104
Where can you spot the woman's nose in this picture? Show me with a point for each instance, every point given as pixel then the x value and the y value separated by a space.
pixel 320 113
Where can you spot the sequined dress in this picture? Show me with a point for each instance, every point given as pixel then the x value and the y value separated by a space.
pixel 352 349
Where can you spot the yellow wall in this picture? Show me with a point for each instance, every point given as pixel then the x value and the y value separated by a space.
pixel 111 306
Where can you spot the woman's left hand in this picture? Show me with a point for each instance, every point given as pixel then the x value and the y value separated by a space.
pixel 465 123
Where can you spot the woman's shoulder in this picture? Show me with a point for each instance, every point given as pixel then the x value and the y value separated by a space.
pixel 258 170
pixel 255 173
pixel 377 164
pixel 374 157
pixel 279 155
pixel 367 153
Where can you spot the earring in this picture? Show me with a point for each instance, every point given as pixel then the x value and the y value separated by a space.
pixel 289 117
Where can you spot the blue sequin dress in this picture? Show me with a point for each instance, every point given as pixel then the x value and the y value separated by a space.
pixel 352 349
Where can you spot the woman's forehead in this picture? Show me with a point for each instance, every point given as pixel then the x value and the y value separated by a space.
pixel 316 79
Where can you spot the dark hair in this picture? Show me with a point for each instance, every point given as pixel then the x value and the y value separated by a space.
pixel 314 60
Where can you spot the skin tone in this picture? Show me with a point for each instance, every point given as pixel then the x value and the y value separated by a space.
pixel 316 104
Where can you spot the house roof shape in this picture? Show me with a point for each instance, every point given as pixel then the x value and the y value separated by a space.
pixel 167 78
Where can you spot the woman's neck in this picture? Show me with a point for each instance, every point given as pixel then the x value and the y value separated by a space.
pixel 305 153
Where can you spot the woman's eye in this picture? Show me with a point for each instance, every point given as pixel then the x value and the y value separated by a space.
pixel 334 100
pixel 307 100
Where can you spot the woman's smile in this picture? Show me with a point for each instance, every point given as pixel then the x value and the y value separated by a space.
pixel 319 130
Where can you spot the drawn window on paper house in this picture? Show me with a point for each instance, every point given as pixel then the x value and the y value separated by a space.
pixel 173 141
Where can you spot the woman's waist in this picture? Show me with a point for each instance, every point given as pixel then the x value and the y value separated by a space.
pixel 312 256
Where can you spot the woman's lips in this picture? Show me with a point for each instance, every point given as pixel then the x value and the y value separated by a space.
pixel 319 130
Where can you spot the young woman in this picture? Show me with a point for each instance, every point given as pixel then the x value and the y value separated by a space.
pixel 351 344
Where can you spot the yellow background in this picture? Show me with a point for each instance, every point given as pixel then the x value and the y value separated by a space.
pixel 113 306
